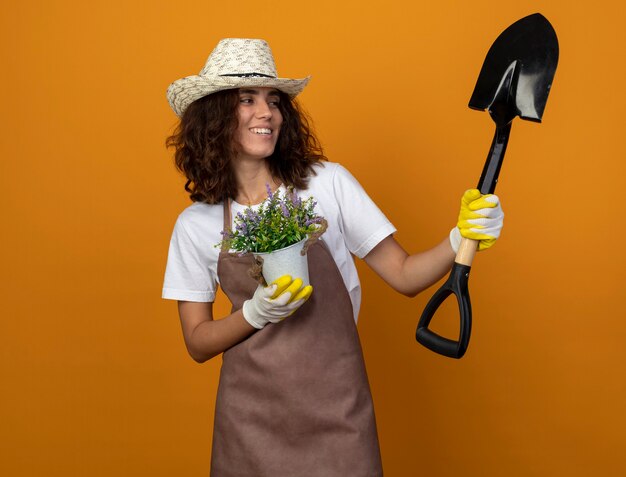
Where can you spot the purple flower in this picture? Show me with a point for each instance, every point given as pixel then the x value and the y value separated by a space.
pixel 269 191
pixel 284 209
pixel 242 228
pixel 295 200
pixel 252 216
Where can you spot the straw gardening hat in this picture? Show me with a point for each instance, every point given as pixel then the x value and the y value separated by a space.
pixel 234 63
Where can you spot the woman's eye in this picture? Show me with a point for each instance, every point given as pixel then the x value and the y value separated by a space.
pixel 245 100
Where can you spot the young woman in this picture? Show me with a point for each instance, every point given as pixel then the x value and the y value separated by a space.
pixel 293 397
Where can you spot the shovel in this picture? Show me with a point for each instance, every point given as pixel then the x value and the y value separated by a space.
pixel 514 81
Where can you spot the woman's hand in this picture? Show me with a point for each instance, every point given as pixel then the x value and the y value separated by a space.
pixel 276 302
pixel 480 218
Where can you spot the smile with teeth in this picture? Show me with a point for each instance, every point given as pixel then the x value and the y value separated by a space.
pixel 261 130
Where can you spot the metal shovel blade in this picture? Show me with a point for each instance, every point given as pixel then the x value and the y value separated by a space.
pixel 532 45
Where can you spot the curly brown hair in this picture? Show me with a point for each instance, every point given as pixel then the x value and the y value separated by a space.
pixel 204 146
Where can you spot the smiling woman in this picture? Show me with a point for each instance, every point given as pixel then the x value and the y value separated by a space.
pixel 213 127
pixel 293 397
pixel 259 120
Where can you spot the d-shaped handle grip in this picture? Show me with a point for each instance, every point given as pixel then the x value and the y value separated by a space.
pixel 456 284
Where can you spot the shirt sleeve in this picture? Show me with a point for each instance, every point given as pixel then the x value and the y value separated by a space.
pixel 188 274
pixel 363 223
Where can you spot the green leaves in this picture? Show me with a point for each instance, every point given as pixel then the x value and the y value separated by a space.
pixel 278 223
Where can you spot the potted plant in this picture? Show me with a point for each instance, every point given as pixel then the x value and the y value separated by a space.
pixel 278 233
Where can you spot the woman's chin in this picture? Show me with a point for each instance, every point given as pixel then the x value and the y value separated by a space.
pixel 255 156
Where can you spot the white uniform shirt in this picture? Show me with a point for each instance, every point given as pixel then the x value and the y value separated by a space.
pixel 355 226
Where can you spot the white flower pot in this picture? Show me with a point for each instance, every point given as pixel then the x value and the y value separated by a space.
pixel 286 261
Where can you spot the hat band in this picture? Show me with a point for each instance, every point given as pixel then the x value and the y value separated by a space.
pixel 249 75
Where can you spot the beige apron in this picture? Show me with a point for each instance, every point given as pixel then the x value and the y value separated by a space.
pixel 293 398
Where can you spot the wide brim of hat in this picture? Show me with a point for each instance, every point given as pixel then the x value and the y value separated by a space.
pixel 181 93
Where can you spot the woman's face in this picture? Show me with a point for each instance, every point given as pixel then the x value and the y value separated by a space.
pixel 259 121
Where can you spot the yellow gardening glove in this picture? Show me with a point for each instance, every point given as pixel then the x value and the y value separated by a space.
pixel 275 302
pixel 480 218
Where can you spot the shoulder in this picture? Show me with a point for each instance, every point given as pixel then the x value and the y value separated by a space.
pixel 320 184
pixel 328 174
pixel 199 212
pixel 325 170
pixel 201 220
pixel 333 178
pixel 332 186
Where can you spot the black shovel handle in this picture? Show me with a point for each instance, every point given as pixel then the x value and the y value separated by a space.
pixel 459 275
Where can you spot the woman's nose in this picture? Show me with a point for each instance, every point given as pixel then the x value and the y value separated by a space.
pixel 263 110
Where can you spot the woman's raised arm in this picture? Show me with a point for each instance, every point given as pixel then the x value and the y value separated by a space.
pixel 409 274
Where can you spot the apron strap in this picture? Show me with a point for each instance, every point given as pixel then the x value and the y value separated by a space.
pixel 227 221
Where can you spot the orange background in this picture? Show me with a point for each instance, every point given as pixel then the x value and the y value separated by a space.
pixel 94 375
